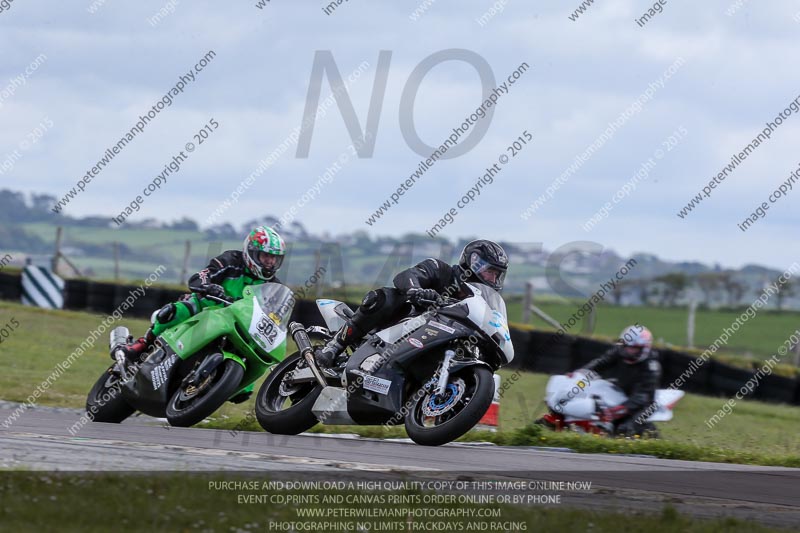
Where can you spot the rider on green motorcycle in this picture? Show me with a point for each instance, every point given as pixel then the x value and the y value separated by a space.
pixel 225 277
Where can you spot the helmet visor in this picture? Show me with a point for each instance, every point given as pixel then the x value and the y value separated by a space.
pixel 488 273
pixel 269 263
pixel 632 354
pixel 268 260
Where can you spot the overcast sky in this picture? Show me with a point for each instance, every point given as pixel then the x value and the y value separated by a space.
pixel 104 69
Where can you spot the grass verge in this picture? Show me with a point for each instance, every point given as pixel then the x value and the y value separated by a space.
pixel 753 433
pixel 156 502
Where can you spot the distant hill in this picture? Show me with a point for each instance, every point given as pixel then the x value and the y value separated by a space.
pixel 29 227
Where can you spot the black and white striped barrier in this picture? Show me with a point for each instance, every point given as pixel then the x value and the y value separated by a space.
pixel 42 288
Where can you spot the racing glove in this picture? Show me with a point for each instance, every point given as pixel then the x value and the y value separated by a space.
pixel 216 291
pixel 417 296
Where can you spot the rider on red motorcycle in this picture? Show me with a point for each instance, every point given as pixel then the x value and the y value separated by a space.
pixel 633 365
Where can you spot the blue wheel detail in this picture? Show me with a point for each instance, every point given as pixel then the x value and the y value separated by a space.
pixel 434 404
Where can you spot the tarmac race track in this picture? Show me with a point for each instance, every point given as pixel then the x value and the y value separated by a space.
pixel 40 440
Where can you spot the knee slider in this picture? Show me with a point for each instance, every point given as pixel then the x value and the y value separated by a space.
pixel 166 314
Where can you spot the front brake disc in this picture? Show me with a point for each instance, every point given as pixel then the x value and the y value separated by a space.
pixel 191 391
pixel 436 405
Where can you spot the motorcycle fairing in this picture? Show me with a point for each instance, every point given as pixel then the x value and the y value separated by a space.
pixel 265 330
pixel 407 360
pixel 487 311
pixel 153 384
pixel 148 390
pixel 581 404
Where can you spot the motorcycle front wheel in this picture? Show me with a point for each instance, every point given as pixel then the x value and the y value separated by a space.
pixel 286 409
pixel 192 403
pixel 435 419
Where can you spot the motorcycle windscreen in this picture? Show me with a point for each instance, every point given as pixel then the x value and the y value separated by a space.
pixel 487 310
pixel 665 400
pixel 272 306
pixel 333 313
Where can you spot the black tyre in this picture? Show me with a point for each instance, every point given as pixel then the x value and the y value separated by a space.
pixel 286 411
pixel 105 403
pixel 434 420
pixel 189 405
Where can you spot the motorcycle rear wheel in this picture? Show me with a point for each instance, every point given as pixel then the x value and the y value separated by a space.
pixel 104 402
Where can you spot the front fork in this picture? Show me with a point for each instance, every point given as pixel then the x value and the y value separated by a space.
pixel 444 374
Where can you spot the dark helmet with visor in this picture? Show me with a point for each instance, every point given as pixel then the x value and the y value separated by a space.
pixel 485 262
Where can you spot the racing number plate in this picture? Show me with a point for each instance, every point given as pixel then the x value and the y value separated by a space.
pixel 381 386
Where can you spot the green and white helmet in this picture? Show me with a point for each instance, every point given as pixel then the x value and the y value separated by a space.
pixel 263 251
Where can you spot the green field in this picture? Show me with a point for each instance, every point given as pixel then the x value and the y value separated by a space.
pixel 136 237
pixel 754 342
pixel 757 340
pixel 754 432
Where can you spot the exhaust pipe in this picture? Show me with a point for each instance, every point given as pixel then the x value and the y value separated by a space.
pixel 300 336
pixel 118 336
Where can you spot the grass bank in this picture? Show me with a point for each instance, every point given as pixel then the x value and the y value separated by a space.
pixel 754 432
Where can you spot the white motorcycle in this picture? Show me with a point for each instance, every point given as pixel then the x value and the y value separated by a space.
pixel 431 371
pixel 576 400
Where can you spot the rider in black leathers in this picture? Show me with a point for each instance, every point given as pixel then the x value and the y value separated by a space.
pixel 634 366
pixel 481 261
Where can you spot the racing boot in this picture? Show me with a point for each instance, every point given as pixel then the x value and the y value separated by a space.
pixel 325 355
pixel 348 335
pixel 366 317
pixel 133 351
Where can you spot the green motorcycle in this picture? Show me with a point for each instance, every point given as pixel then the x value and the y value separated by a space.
pixel 198 364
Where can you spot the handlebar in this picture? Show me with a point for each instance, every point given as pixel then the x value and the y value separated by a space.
pixel 414 295
pixel 219 300
pixel 439 302
pixel 443 300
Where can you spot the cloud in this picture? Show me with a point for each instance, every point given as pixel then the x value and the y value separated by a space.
pixel 104 69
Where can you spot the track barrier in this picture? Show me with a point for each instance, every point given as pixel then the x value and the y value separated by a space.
pixel 41 288
pixel 537 351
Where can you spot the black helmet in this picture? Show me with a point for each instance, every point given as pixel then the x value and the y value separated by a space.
pixel 485 262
